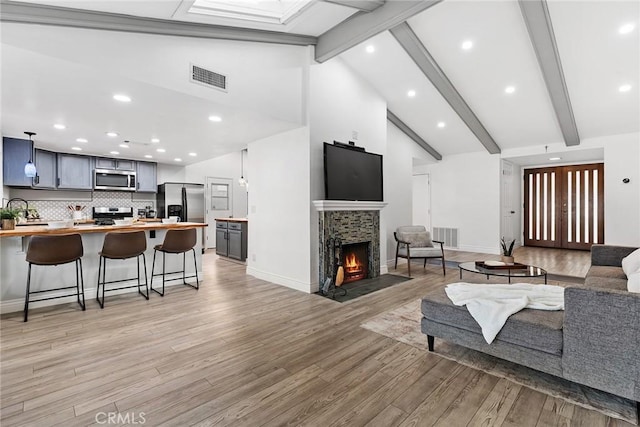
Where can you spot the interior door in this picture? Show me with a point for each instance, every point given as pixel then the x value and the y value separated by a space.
pixel 219 204
pixel 421 201
pixel 564 206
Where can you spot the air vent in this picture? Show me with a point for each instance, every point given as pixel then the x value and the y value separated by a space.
pixel 447 235
pixel 208 77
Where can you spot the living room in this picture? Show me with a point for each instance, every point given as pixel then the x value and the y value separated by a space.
pixel 294 348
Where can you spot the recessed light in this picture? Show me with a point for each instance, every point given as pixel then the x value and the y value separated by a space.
pixel 510 89
pixel 193 154
pixel 466 45
pixel 59 126
pixel 148 156
pixel 441 124
pixel 555 158
pixel 124 145
pixel 82 140
pixel 411 93
pixel 112 134
pixel 114 152
pixel 122 98
pixel 624 88
pixel 155 140
pixel 178 159
pixel 215 118
pixel 161 150
pixel 76 148
pixel 370 49
pixel 627 28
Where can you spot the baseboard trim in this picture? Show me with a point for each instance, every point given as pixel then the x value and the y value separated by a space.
pixel 281 280
pixel 15 305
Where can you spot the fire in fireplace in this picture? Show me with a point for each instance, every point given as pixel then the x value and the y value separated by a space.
pixel 355 259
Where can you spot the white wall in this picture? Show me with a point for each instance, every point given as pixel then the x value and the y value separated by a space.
pixel 342 107
pixel 170 173
pixel 465 194
pixel 227 166
pixel 398 184
pixel 279 210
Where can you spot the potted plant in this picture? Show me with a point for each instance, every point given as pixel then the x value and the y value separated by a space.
pixel 507 250
pixel 8 217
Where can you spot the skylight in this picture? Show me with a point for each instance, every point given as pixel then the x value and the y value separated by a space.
pixel 268 11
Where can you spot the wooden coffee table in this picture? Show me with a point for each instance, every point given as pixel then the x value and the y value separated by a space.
pixel 527 271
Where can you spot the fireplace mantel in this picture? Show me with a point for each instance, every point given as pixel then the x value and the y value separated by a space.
pixel 347 205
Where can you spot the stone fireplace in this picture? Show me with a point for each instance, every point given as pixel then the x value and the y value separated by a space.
pixel 356 225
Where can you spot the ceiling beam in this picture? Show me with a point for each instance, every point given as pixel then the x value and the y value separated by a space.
pixel 362 5
pixel 30 13
pixel 423 59
pixel 536 17
pixel 363 26
pixel 411 134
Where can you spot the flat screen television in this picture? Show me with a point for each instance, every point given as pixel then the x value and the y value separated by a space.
pixel 352 174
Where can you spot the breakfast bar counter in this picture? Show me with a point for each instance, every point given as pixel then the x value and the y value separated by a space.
pixel 13 266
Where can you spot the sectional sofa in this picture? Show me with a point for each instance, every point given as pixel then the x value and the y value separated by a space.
pixel 595 341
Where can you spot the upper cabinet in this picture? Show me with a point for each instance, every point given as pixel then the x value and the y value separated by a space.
pixel 15 154
pixel 46 167
pixel 74 172
pixel 116 164
pixel 146 176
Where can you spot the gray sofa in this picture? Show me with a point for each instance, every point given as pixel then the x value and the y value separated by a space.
pixel 595 341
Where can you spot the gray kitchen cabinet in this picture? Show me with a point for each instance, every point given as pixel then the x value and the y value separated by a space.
pixel 222 243
pixel 15 154
pixel 46 174
pixel 231 239
pixel 74 172
pixel 117 164
pixel 146 177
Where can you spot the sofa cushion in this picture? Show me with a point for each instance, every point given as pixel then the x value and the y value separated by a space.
pixel 534 329
pixel 421 252
pixel 607 272
pixel 606 277
pixel 633 284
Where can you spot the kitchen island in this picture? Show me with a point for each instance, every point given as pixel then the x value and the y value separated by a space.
pixel 13 267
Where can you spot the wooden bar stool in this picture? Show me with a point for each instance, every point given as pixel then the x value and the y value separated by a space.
pixel 122 245
pixel 176 242
pixel 55 250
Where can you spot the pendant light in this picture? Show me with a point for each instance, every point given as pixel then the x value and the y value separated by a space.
pixel 30 168
pixel 243 182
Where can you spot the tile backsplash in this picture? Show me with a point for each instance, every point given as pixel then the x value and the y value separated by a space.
pixel 57 209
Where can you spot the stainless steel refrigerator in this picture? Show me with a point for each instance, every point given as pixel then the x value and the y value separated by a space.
pixel 181 199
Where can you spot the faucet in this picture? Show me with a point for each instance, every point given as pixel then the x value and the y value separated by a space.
pixel 26 204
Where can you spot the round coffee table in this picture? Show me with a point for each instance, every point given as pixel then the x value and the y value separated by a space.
pixel 529 271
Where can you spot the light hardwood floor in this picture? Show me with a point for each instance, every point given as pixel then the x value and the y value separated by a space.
pixel 246 352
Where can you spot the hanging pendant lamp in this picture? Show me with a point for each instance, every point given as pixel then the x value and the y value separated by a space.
pixel 243 182
pixel 30 168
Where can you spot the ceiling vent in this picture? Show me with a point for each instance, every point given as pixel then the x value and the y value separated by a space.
pixel 208 78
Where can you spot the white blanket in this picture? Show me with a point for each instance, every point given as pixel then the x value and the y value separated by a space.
pixel 491 305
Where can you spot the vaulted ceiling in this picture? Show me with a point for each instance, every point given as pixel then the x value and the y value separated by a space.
pixel 462 75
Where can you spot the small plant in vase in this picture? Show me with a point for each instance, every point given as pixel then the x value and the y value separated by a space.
pixel 507 250
pixel 8 217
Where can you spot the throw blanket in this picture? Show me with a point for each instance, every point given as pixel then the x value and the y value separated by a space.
pixel 491 305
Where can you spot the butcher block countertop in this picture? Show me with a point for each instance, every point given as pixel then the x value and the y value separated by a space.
pixel 233 219
pixel 39 230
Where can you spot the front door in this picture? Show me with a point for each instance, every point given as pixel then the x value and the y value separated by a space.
pixel 219 199
pixel 564 206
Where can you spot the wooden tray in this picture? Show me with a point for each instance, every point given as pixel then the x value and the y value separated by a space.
pixel 506 266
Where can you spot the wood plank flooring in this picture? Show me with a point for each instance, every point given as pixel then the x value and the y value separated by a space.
pixel 241 351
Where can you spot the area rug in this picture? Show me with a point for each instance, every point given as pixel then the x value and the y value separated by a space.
pixel 403 324
pixel 365 287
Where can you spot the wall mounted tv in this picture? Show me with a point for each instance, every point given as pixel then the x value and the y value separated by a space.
pixel 350 173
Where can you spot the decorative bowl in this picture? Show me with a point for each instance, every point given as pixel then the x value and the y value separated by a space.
pixel 128 221
pixel 169 220
pixel 55 225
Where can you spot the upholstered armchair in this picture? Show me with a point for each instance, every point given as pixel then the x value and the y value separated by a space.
pixel 414 241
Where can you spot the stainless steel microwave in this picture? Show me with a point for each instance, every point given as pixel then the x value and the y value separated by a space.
pixel 109 179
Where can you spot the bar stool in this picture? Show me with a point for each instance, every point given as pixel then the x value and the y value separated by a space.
pixel 122 245
pixel 176 242
pixel 55 250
